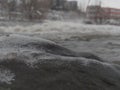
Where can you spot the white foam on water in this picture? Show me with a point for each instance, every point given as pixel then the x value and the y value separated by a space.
pixel 63 29
pixel 6 76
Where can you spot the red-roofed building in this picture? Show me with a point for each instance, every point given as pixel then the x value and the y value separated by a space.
pixel 100 14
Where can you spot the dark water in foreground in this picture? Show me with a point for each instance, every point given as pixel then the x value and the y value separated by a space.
pixel 31 63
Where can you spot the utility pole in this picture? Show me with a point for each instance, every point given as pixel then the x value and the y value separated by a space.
pixel 88 2
pixel 100 12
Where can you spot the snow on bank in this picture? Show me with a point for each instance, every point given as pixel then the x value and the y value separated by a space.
pixel 63 29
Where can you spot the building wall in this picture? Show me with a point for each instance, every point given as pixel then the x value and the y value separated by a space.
pixel 71 5
pixel 95 12
pixel 64 5
pixel 58 4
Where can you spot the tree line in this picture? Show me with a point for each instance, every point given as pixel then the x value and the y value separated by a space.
pixel 28 9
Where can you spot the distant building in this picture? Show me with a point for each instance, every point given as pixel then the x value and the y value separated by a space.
pixel 111 13
pixel 58 4
pixel 71 5
pixel 99 14
pixel 94 13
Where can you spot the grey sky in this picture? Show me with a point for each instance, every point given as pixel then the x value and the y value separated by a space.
pixel 105 3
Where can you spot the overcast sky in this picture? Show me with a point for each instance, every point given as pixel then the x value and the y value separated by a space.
pixel 105 3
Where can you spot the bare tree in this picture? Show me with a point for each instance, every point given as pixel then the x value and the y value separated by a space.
pixel 28 9
pixel 35 9
pixel 11 7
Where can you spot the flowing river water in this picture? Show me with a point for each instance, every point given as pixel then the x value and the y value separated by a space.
pixel 54 61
